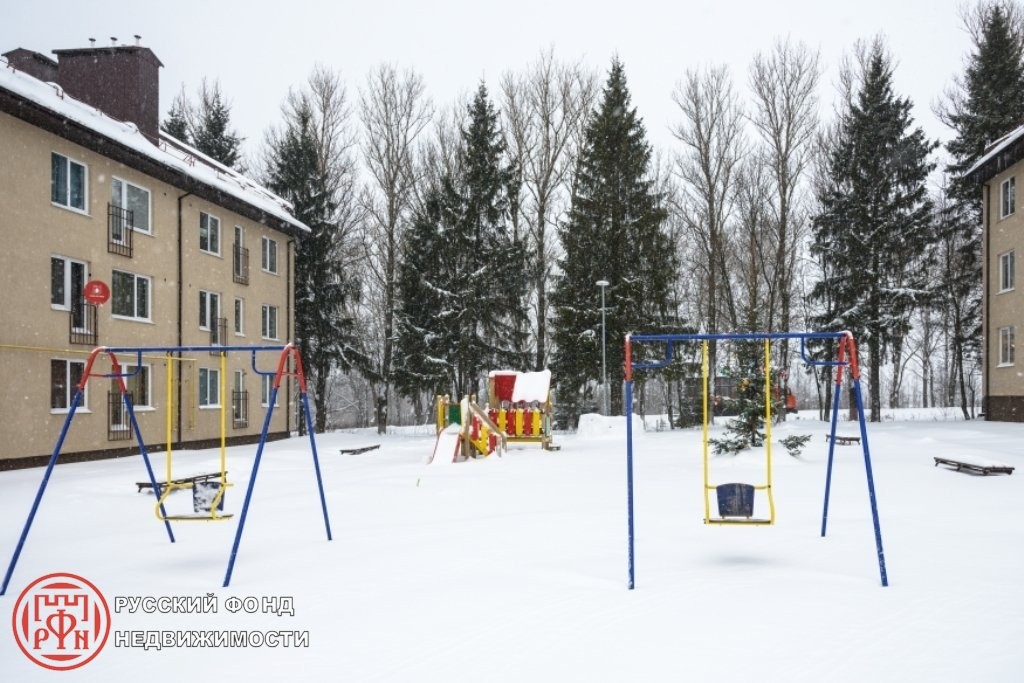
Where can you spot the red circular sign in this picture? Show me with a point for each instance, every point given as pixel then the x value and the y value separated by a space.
pixel 61 621
pixel 96 292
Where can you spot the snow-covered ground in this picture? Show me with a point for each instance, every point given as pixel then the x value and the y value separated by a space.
pixel 515 568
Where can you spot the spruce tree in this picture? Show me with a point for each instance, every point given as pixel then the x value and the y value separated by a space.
pixel 325 332
pixel 212 134
pixel 463 275
pixel 986 103
pixel 873 228
pixel 614 232
pixel 205 125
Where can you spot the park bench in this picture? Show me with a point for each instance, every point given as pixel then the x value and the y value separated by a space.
pixel 354 451
pixel 976 467
pixel 845 440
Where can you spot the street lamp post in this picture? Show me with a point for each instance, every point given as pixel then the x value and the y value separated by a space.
pixel 604 372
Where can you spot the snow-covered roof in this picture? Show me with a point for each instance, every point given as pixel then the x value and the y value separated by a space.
pixel 529 386
pixel 171 153
pixel 997 147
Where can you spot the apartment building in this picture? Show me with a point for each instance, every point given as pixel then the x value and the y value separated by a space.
pixel 1003 303
pixel 194 254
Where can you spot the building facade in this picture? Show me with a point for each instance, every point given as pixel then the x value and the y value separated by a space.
pixel 1003 304
pixel 193 254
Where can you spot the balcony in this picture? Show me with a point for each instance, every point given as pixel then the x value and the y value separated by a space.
pixel 239 409
pixel 240 268
pixel 120 230
pixel 218 333
pixel 118 424
pixel 83 324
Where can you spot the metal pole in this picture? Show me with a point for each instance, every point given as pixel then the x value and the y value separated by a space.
pixel 606 404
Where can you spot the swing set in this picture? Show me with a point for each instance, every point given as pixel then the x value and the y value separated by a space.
pixel 736 499
pixel 208 491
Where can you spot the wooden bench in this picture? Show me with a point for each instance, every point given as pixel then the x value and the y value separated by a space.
pixel 354 451
pixel 183 480
pixel 845 440
pixel 975 467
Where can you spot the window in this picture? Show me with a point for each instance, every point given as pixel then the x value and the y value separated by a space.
pixel 68 180
pixel 268 322
pixel 239 317
pixel 67 280
pixel 239 401
pixel 209 388
pixel 209 233
pixel 138 385
pixel 124 195
pixel 129 295
pixel 266 387
pixel 209 309
pixel 64 378
pixel 1006 271
pixel 269 255
pixel 1006 345
pixel 1007 197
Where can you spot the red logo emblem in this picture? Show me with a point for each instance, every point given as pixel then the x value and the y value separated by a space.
pixel 61 621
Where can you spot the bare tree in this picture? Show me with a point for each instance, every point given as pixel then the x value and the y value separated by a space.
pixel 784 114
pixel 394 111
pixel 545 109
pixel 712 135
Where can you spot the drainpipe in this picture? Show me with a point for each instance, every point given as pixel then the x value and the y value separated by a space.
pixel 181 295
pixel 288 329
pixel 986 352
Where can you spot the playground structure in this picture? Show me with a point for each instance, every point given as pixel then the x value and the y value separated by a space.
pixel 735 500
pixel 519 410
pixel 208 490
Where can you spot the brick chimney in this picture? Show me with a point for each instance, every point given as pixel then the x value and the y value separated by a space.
pixel 122 81
pixel 34 64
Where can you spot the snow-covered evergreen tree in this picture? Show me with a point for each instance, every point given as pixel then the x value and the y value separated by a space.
pixel 325 330
pixel 463 276
pixel 986 102
pixel 874 226
pixel 614 232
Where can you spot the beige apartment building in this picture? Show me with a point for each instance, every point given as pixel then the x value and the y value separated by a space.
pixel 194 254
pixel 1002 303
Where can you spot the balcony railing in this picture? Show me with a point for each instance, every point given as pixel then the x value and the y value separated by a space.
pixel 239 409
pixel 218 333
pixel 83 324
pixel 120 230
pixel 118 427
pixel 240 271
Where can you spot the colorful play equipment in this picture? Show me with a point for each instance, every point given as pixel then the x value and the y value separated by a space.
pixel 518 410
pixel 286 353
pixel 207 491
pixel 736 499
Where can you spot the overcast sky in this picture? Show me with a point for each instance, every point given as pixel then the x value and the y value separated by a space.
pixel 258 49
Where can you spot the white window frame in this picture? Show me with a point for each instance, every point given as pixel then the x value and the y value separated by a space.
pixel 66 204
pixel 122 202
pixel 69 386
pixel 1006 271
pixel 209 378
pixel 265 322
pixel 1006 346
pixel 206 298
pixel 266 386
pixel 147 315
pixel 212 233
pixel 1007 197
pixel 238 412
pixel 239 316
pixel 68 283
pixel 139 403
pixel 268 255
